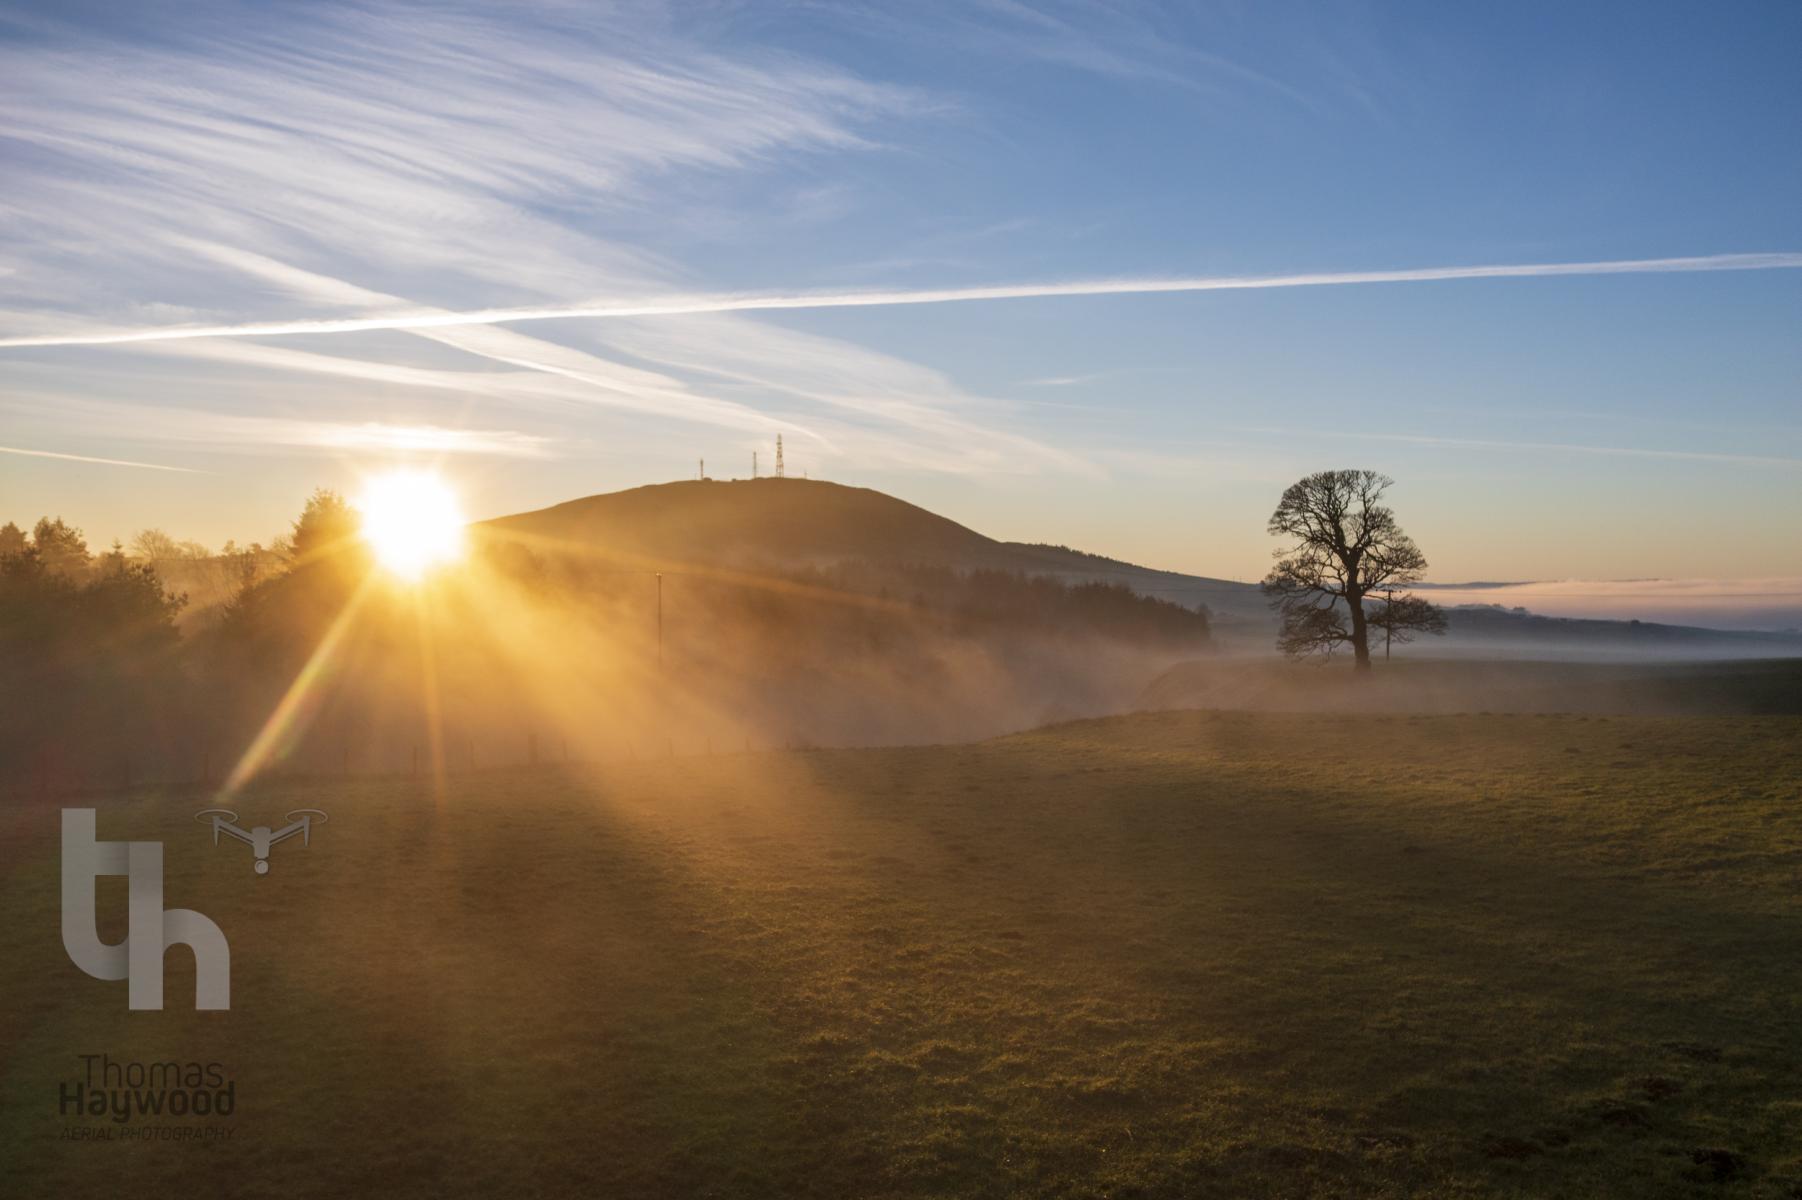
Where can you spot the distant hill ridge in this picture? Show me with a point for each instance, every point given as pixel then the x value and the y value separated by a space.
pixel 810 522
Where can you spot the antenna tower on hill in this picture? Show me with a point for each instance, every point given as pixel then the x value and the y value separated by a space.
pixel 779 470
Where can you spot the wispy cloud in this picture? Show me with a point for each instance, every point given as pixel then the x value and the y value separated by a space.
pixel 424 439
pixel 88 458
pixel 290 167
pixel 1421 439
pixel 1124 42
pixel 252 433
pixel 844 383
pixel 1065 380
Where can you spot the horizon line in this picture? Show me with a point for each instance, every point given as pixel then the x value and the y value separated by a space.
pixel 721 302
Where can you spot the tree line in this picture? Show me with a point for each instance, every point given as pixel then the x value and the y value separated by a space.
pixel 98 681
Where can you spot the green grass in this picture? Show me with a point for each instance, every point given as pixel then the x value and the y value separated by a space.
pixel 1173 954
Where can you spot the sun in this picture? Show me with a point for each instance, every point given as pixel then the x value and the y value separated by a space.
pixel 411 521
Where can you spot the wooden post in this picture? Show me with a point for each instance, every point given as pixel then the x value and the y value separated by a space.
pixel 1388 621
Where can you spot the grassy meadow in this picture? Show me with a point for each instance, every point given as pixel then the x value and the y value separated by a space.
pixel 1170 954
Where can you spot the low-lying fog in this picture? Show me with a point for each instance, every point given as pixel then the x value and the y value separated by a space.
pixel 1761 604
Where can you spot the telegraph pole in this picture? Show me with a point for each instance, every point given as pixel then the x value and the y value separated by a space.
pixel 1388 620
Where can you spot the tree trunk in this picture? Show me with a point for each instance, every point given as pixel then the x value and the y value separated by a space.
pixel 1360 631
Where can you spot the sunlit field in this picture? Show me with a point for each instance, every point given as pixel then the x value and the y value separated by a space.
pixel 1169 954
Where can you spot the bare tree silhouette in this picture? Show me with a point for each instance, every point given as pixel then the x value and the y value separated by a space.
pixel 1346 547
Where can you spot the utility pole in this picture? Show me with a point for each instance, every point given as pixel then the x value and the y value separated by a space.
pixel 779 471
pixel 702 472
pixel 1388 621
pixel 753 464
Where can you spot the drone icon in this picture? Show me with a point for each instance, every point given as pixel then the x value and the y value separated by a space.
pixel 261 838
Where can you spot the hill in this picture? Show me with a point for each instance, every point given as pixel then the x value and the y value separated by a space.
pixel 1481 629
pixel 794 522
pixel 810 522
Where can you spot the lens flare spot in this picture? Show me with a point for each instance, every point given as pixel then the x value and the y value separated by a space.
pixel 411 521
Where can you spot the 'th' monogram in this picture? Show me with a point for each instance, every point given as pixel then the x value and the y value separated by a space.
pixel 150 930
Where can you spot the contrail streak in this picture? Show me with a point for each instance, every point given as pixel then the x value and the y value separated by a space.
pixel 1421 439
pixel 110 462
pixel 680 305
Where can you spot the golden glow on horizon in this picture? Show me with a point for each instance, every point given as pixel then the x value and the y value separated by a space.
pixel 411 520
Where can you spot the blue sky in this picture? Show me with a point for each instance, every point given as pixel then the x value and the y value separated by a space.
pixel 225 166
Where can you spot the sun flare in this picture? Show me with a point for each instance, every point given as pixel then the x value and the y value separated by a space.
pixel 411 521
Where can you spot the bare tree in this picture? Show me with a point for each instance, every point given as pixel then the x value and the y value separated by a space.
pixel 1346 546
pixel 153 545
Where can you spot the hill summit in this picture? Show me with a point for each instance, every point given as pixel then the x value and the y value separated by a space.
pixel 790 520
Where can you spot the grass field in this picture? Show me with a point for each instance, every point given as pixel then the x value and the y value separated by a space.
pixel 1170 954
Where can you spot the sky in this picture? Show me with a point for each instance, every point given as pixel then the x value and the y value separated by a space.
pixel 1012 262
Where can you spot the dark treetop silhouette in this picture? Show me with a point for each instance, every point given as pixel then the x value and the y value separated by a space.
pixel 1347 548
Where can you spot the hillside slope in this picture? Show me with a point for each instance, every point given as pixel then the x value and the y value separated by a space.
pixel 803 522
